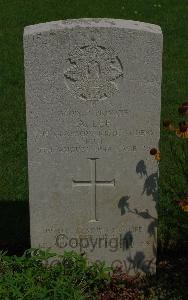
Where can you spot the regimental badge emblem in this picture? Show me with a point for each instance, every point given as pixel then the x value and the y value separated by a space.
pixel 94 72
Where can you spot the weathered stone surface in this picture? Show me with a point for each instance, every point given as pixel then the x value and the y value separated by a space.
pixel 93 90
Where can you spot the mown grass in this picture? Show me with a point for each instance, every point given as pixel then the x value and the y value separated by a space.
pixel 171 15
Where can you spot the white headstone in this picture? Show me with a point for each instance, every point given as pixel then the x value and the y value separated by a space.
pixel 93 96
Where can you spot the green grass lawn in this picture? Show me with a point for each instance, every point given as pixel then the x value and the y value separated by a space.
pixel 171 15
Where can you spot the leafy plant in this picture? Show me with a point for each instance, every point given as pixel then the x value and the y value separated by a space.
pixel 70 277
pixel 31 277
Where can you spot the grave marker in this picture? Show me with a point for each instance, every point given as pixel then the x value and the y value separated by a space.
pixel 93 97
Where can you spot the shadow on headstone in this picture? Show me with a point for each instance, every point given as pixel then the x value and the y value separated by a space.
pixel 151 182
pixel 14 227
pixel 141 168
pixel 123 204
pixel 150 186
pixel 139 263
pixel 127 240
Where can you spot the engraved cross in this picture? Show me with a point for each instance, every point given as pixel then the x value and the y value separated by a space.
pixel 93 183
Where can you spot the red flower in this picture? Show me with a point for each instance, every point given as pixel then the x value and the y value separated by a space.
pixel 156 153
pixel 183 204
pixel 183 126
pixel 167 125
pixel 183 109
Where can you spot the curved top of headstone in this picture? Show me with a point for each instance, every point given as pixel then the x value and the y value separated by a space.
pixel 92 22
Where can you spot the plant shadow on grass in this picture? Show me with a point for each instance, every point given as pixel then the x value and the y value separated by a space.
pixel 14 227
